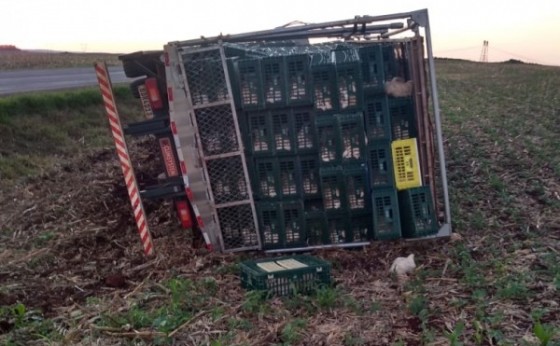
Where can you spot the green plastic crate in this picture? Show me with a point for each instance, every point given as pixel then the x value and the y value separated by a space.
pixel 316 228
pixel 274 81
pixel 418 218
pixel 276 178
pixel 259 136
pixel 279 132
pixel 361 226
pixel 377 117
pixel 266 178
pixel 328 139
pixel 349 227
pixel 309 175
pixel 290 180
pixel 355 188
pixel 403 123
pixel 298 80
pixel 332 188
pixel 281 224
pixel 373 70
pixel 249 84
pixel 386 219
pixel 352 143
pixel 270 224
pixel 305 131
pixel 293 218
pixel 345 189
pixel 341 139
pixel 324 87
pixel 349 83
pixel 393 62
pixel 283 136
pixel 284 276
pixel 380 164
pixel 338 229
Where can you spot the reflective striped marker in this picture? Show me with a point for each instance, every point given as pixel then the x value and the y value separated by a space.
pixel 181 158
pixel 188 190
pixel 124 157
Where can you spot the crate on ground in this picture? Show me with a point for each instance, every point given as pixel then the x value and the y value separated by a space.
pixel 377 117
pixel 298 80
pixel 285 275
pixel 386 219
pixel 406 163
pixel 274 81
pixel 352 138
pixel 380 164
pixel 418 218
pixel 306 134
pixel 249 84
pixel 281 224
pixel 373 70
pixel 403 124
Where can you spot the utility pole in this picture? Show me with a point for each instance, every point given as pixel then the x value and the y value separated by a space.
pixel 484 52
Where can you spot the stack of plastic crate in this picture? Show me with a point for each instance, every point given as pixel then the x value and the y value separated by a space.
pixel 275 111
pixel 318 130
pixel 378 67
pixel 337 87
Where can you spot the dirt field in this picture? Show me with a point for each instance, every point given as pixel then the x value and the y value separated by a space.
pixel 72 269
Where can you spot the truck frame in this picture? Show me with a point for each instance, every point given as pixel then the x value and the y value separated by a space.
pixel 191 107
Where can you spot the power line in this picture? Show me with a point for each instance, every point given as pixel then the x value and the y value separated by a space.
pixel 456 49
pixel 518 56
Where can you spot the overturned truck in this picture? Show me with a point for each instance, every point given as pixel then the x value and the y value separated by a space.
pixel 300 137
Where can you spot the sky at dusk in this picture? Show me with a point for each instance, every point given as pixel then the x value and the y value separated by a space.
pixel 528 31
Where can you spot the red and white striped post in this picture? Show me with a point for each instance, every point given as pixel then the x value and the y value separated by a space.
pixel 124 157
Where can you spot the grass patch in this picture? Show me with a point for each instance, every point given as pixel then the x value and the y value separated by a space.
pixel 37 131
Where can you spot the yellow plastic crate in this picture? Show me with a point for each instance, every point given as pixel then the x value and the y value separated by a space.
pixel 406 164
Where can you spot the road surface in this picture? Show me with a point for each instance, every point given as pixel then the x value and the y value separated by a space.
pixel 14 82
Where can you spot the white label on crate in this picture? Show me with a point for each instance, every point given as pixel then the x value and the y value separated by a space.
pixel 270 267
pixel 291 264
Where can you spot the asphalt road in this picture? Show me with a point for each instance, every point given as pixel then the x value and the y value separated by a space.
pixel 14 82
